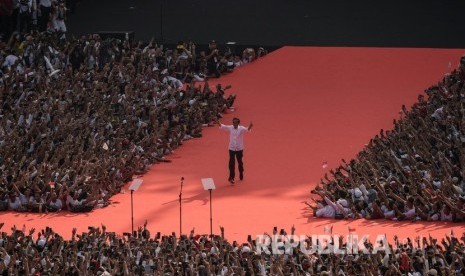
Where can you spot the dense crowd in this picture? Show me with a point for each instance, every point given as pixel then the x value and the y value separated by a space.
pixel 81 117
pixel 39 15
pixel 100 252
pixel 416 171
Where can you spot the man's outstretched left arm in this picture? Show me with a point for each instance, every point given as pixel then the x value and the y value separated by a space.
pixel 250 126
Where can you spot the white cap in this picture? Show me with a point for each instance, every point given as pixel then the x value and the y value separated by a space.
pixel 357 193
pixel 343 202
pixel 41 242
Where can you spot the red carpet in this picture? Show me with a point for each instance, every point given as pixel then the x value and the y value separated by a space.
pixel 309 106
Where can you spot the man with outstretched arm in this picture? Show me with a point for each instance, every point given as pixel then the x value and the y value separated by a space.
pixel 236 147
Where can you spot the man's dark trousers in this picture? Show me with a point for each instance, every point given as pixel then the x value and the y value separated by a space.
pixel 232 164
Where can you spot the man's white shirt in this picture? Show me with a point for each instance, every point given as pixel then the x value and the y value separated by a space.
pixel 236 136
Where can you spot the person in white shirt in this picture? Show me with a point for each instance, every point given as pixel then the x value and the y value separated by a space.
pixel 59 17
pixel 10 60
pixel 54 203
pixel 25 7
pixel 236 147
pixel 14 203
pixel 172 81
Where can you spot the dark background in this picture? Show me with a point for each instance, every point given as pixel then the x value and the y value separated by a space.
pixel 408 23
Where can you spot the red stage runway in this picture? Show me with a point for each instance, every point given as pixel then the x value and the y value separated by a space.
pixel 309 106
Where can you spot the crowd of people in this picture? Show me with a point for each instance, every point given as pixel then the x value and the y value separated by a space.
pixel 39 15
pixel 80 117
pixel 100 252
pixel 416 171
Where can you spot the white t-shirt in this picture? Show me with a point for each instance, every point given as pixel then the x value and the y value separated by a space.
pixel 236 136
pixel 6 259
pixel 10 60
pixel 445 217
pixel 14 205
pixel 23 199
pixel 438 113
pixel 24 8
pixel 326 212
pixel 409 212
pixel 46 3
pixel 174 82
pixel 57 204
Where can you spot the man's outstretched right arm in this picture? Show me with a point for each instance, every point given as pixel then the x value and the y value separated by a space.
pixel 220 124
pixel 250 126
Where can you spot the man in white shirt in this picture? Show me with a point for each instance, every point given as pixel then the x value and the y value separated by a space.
pixel 236 147
pixel 172 81
pixel 14 203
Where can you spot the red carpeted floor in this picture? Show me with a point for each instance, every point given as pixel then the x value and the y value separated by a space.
pixel 309 106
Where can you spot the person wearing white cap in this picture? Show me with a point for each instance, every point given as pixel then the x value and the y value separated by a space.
pixel 172 81
pixel 337 209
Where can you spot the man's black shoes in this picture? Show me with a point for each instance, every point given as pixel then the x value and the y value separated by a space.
pixel 241 177
pixel 231 180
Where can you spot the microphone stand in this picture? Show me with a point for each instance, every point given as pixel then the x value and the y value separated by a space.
pixel 180 207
